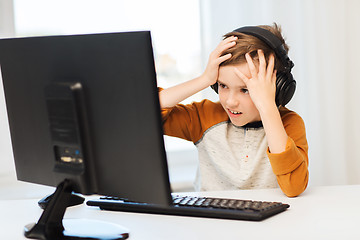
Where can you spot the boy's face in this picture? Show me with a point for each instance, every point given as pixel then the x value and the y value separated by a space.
pixel 234 96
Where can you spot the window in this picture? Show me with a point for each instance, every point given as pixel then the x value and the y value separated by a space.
pixel 175 27
pixel 175 30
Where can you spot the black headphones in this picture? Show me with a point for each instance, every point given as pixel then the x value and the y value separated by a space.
pixel 285 82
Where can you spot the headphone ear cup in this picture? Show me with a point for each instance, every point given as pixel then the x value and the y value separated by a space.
pixel 285 88
pixel 215 87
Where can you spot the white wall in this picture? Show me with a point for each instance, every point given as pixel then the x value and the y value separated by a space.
pixel 6 18
pixel 7 170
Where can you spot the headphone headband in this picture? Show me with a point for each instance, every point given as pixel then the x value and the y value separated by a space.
pixel 270 39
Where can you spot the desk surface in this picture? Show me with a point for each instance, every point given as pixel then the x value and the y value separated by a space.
pixel 319 213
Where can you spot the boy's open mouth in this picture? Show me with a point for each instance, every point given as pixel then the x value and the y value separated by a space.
pixel 235 112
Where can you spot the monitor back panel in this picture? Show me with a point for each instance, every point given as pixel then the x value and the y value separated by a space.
pixel 118 77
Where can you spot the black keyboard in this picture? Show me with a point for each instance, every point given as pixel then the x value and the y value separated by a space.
pixel 197 207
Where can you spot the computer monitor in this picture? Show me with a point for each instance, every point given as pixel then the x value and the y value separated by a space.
pixel 84 115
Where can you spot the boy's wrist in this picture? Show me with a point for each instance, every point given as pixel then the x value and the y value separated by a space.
pixel 267 108
pixel 206 80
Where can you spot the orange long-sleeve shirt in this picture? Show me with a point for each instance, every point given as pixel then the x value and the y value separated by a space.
pixel 232 157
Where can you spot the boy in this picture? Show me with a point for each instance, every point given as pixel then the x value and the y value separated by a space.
pixel 247 140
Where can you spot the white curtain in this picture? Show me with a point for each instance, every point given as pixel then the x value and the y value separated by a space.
pixel 324 37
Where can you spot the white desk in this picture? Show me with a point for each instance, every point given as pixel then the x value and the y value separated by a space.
pixel 319 213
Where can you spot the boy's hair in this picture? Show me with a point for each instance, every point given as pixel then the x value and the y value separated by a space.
pixel 250 44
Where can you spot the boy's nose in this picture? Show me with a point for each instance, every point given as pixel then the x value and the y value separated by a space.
pixel 232 100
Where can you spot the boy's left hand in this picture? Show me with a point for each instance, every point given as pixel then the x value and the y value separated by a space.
pixel 262 84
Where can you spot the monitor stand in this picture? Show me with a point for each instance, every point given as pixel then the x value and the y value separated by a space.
pixel 74 200
pixel 51 224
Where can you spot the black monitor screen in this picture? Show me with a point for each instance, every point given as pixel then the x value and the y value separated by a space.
pixel 86 108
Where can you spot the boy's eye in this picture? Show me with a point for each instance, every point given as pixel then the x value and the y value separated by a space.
pixel 222 85
pixel 244 90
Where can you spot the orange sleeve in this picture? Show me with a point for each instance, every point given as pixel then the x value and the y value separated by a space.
pixel 190 121
pixel 182 121
pixel 291 166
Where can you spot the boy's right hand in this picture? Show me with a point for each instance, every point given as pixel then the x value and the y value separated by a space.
pixel 211 72
pixel 171 96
